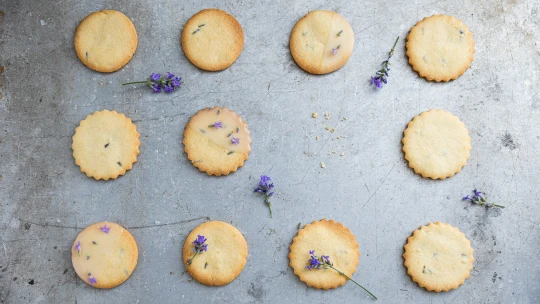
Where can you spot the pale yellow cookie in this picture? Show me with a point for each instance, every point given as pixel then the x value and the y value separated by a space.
pixel 440 48
pixel 321 42
pixel 105 145
pixel 326 238
pixel 212 39
pixel 224 258
pixel 438 257
pixel 217 141
pixel 105 41
pixel 436 144
pixel 104 255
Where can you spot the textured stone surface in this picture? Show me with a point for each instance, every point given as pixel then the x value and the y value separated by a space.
pixel 45 201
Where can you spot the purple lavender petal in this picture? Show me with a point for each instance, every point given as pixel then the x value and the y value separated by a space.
pixel 105 229
pixel 155 77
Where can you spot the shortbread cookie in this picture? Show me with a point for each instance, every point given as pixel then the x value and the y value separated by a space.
pixel 440 48
pixel 327 238
pixel 224 257
pixel 436 144
pixel 212 39
pixel 438 257
pixel 105 41
pixel 217 141
pixel 104 255
pixel 321 42
pixel 105 145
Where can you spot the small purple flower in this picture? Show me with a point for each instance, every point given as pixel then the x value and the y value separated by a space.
pixel 382 75
pixel 155 77
pixel 235 141
pixel 266 187
pixel 156 88
pixel 334 50
pixel 78 247
pixel 216 125
pixel 467 198
pixel 170 76
pixel 105 229
pixel 168 89
pixel 200 246
pixel 176 82
pixel 91 279
pixel 477 193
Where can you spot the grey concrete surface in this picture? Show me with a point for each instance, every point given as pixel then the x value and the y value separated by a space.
pixel 46 200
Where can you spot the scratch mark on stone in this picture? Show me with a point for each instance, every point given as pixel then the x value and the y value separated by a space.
pixel 379 186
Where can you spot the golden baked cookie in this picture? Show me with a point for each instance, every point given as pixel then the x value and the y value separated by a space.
pixel 212 39
pixel 105 145
pixel 217 141
pixel 321 42
pixel 104 255
pixel 105 41
pixel 327 238
pixel 438 257
pixel 440 48
pixel 436 144
pixel 222 260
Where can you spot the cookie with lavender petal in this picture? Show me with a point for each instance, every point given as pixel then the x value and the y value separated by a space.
pixel 321 42
pixel 438 257
pixel 105 41
pixel 215 253
pixel 436 144
pixel 328 238
pixel 105 145
pixel 217 141
pixel 104 255
pixel 440 48
pixel 212 39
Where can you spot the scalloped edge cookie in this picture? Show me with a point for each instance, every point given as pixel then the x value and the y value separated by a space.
pixel 326 238
pixel 434 64
pixel 431 128
pixel 424 265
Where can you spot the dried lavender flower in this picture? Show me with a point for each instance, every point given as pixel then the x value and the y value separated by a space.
pixel 334 50
pixel 323 262
pixel 105 229
pixel 199 247
pixel 381 77
pixel 235 141
pixel 477 198
pixel 91 279
pixel 216 125
pixel 266 187
pixel 157 82
pixel 78 247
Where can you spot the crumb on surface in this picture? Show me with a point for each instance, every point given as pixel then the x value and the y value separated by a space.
pixel 314 115
pixel 323 165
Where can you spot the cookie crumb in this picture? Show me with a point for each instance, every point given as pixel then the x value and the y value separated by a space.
pixel 333 130
pixel 326 115
pixel 323 165
pixel 342 154
pixel 327 128
pixel 314 115
pixel 316 137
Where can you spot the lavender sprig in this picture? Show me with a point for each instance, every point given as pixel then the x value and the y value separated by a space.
pixel 157 82
pixel 382 75
pixel 477 198
pixel 265 187
pixel 78 247
pixel 199 246
pixel 323 262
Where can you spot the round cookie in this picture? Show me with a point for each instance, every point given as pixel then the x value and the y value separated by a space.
pixel 440 48
pixel 436 144
pixel 212 39
pixel 104 255
pixel 224 257
pixel 105 41
pixel 105 145
pixel 321 42
pixel 438 257
pixel 325 238
pixel 217 141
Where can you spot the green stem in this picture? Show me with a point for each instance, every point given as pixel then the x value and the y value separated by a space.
pixel 189 263
pixel 395 43
pixel 134 82
pixel 498 206
pixel 340 272
pixel 269 205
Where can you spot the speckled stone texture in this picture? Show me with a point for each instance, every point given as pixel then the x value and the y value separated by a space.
pixel 45 200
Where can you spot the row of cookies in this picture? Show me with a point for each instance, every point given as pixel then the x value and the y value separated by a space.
pixel 440 47
pixel 217 141
pixel 437 256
